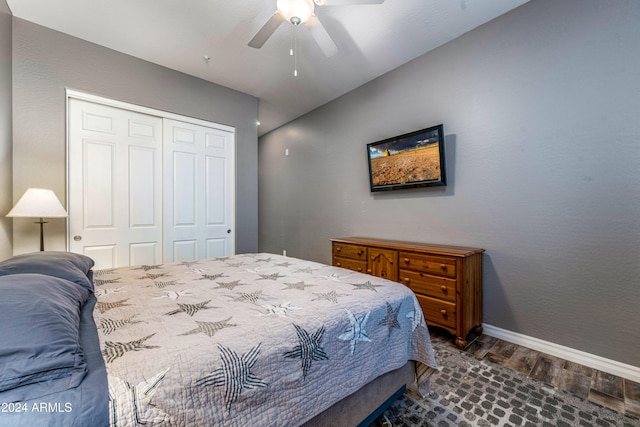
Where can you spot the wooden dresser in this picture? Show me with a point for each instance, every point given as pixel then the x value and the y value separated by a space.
pixel 447 280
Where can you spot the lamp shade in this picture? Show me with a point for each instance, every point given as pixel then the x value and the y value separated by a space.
pixel 38 203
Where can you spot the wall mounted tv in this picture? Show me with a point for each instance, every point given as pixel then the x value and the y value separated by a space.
pixel 411 160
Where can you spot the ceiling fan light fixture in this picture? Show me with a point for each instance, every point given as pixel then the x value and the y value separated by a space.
pixel 291 9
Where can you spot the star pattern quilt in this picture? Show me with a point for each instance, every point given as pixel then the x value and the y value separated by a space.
pixel 252 339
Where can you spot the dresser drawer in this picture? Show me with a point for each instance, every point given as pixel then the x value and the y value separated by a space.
pixel 351 264
pixel 433 286
pixel 350 251
pixel 440 266
pixel 438 311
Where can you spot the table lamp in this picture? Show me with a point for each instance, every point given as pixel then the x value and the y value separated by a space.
pixel 38 203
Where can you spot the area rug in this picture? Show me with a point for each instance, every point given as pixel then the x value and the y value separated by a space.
pixel 471 392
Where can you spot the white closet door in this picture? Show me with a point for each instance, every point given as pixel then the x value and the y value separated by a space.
pixel 115 185
pixel 199 179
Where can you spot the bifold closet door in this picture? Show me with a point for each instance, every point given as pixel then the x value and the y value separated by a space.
pixel 199 199
pixel 115 185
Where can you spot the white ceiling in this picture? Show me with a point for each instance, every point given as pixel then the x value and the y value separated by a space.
pixel 372 40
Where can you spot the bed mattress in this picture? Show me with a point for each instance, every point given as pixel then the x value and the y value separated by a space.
pixel 248 339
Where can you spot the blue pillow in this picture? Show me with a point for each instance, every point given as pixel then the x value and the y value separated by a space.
pixel 40 350
pixel 65 265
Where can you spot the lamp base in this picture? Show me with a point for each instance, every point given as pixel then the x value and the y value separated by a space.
pixel 42 223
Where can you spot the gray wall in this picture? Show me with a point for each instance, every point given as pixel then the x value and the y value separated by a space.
pixel 45 62
pixel 6 199
pixel 541 109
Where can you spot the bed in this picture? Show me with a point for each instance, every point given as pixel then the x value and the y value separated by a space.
pixel 249 339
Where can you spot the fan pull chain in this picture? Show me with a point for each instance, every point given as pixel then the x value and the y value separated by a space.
pixel 293 40
pixel 295 53
pixel 294 48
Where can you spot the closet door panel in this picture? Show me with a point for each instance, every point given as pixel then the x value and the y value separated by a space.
pixel 141 253
pixel 146 187
pixel 216 247
pixel 114 184
pixel 199 199
pixel 142 204
pixel 216 171
pixel 185 250
pixel 98 192
pixel 183 196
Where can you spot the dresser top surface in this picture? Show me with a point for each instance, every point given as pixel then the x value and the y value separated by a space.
pixel 402 245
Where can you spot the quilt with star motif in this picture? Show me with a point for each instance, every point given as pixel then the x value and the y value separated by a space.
pixel 252 339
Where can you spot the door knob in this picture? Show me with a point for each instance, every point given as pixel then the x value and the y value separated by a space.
pixel 77 238
pixel 229 231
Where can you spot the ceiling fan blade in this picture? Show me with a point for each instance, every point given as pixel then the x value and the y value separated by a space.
pixel 346 2
pixel 267 29
pixel 321 36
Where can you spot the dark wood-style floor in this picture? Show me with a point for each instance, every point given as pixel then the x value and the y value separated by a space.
pixel 619 394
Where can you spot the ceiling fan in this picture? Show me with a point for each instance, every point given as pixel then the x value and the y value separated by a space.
pixel 303 12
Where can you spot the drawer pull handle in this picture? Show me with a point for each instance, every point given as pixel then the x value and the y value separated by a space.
pixel 368 271
pixel 406 260
pixel 338 249
pixel 443 312
pixel 443 266
pixel 407 280
pixel 360 269
pixel 338 264
pixel 444 289
pixel 360 252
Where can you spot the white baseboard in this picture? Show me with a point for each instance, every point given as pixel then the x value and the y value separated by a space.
pixel 606 365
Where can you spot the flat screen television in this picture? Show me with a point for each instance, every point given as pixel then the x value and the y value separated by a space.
pixel 411 160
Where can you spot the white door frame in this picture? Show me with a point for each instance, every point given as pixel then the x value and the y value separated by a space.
pixel 71 93
pixel 75 94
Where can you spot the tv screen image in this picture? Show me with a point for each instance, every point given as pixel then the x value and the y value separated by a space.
pixel 411 160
